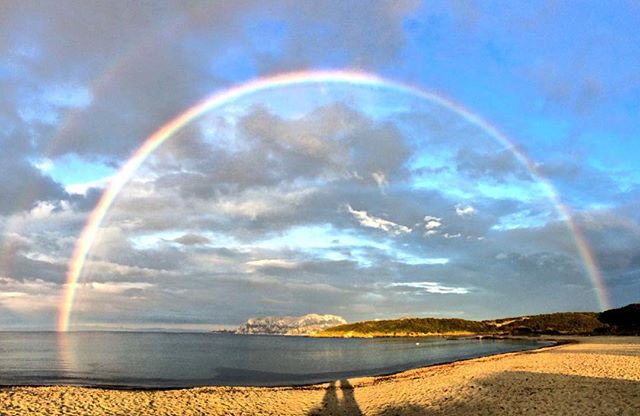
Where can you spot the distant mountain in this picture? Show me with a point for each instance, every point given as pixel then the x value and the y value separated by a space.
pixel 289 325
pixel 623 321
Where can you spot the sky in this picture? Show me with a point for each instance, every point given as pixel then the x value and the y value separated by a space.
pixel 490 172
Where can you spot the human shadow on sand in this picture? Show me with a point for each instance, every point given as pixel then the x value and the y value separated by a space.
pixel 338 400
pixel 509 392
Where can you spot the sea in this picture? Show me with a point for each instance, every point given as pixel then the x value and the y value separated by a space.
pixel 176 360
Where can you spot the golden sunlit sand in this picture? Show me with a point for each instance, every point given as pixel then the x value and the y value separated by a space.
pixel 597 376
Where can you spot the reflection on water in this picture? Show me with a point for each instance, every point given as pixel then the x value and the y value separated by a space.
pixel 66 354
pixel 127 359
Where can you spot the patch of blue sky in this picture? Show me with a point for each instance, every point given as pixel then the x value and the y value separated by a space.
pixel 233 64
pixel 626 179
pixel 154 240
pixel 32 108
pixel 447 183
pixel 426 160
pixel 432 171
pixel 266 35
pixel 295 101
pixel 291 102
pixel 334 255
pixel 45 106
pixel 320 236
pixel 546 132
pixel 515 190
pixel 27 49
pixel 74 96
pixel 8 70
pixel 328 243
pixel 414 260
pixel 72 170
pixel 597 206
pixel 380 103
pixel 433 48
pixel 523 219
pixel 460 187
pixel 610 151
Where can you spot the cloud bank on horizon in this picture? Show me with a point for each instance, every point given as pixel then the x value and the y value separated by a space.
pixel 333 199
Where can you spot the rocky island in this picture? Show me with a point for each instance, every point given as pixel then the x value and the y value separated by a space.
pixel 289 325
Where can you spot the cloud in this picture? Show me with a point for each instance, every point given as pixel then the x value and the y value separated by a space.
pixel 496 165
pixel 28 298
pixel 192 239
pixel 116 288
pixel 463 211
pixel 261 214
pixel 432 225
pixel 275 263
pixel 370 221
pixel 581 184
pixel 120 56
pixel 380 179
pixel 23 186
pixel 432 287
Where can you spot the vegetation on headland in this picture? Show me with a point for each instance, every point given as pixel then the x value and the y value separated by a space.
pixel 408 327
pixel 571 323
pixel 622 321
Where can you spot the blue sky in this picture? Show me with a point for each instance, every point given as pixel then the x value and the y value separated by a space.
pixel 366 203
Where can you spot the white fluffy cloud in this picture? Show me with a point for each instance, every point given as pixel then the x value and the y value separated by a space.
pixel 432 287
pixel 448 236
pixel 370 221
pixel 432 225
pixel 119 287
pixel 279 263
pixel 464 210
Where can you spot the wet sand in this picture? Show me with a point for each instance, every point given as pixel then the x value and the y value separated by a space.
pixel 596 376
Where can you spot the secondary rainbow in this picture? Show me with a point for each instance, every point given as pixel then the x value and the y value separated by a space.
pixel 88 234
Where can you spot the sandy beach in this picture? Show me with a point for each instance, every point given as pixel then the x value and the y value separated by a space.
pixel 596 376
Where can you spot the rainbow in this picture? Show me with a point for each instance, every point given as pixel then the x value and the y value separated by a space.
pixel 218 99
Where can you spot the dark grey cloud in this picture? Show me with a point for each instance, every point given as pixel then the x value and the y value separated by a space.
pixel 87 201
pixel 139 71
pixel 499 166
pixel 578 182
pixel 192 239
pixel 615 240
pixel 22 186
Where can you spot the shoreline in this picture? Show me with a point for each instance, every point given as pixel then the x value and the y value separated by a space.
pixel 589 376
pixel 382 373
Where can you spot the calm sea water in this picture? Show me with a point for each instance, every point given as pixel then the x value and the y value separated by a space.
pixel 163 360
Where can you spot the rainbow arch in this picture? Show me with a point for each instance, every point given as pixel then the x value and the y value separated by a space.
pixel 120 179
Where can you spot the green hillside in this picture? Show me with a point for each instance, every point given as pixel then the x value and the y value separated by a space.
pixel 409 327
pixel 624 320
pixel 572 323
